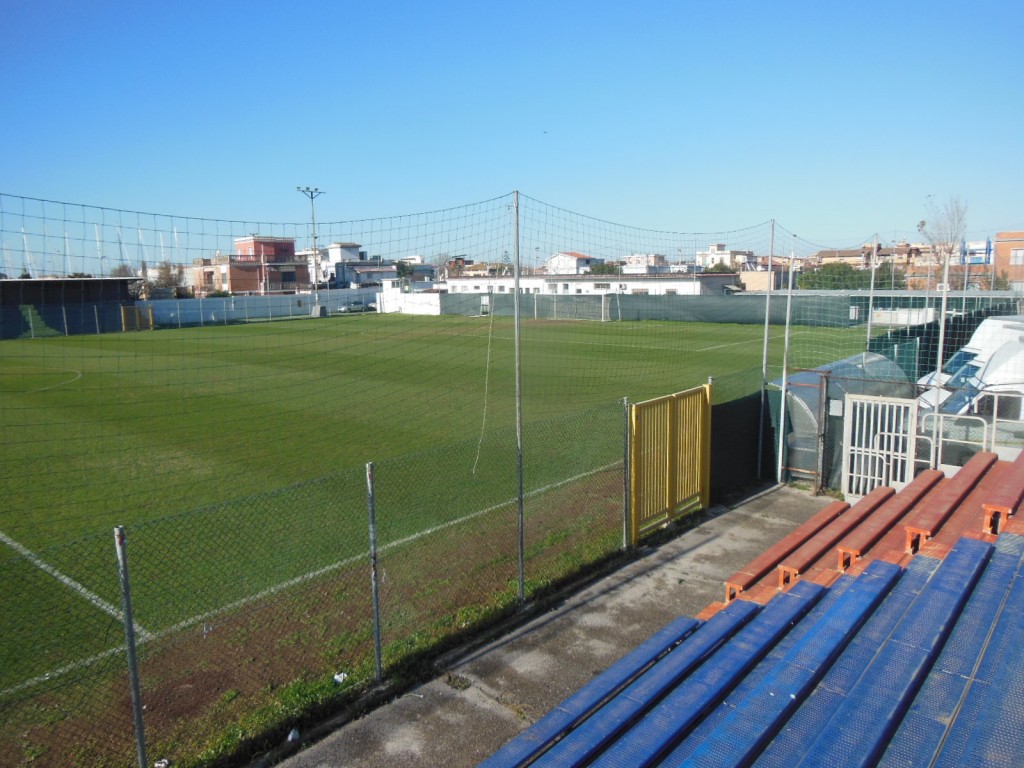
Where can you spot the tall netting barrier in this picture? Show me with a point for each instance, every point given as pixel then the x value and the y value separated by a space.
pixel 328 472
pixel 873 330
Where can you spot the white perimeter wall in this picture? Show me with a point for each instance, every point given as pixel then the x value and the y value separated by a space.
pixel 392 300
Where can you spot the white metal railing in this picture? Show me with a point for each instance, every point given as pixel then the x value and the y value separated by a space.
pixel 994 425
pixel 880 443
pixel 886 440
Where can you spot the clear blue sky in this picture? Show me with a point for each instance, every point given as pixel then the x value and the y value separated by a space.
pixel 835 119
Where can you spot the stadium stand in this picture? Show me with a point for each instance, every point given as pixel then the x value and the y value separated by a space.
pixel 745 578
pixel 870 531
pixel 926 519
pixel 800 560
pixel 903 658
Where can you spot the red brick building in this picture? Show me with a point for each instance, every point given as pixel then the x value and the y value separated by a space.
pixel 259 265
pixel 1008 253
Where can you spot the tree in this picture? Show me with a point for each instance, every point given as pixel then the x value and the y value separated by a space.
pixel 169 275
pixel 944 230
pixel 403 269
pixel 136 289
pixel 604 268
pixel 843 277
pixel 721 268
pixel 944 233
pixel 889 277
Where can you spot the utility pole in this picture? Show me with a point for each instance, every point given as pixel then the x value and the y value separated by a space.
pixel 312 194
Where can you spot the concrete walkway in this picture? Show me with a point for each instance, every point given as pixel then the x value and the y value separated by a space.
pixel 482 698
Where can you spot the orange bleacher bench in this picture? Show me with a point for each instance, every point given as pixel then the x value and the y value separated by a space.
pixel 1005 499
pixel 867 534
pixel 800 559
pixel 763 564
pixel 928 517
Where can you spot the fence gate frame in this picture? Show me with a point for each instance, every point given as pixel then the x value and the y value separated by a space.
pixel 669 450
pixel 879 443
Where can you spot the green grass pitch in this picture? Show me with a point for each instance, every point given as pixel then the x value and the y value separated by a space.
pixel 122 428
pixel 235 455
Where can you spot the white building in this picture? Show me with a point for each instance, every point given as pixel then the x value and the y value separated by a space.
pixel 345 252
pixel 719 253
pixel 595 285
pixel 645 264
pixel 571 263
pixel 329 256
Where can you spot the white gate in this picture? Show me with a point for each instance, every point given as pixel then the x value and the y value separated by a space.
pixel 879 443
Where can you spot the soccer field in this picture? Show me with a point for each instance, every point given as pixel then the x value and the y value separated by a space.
pixel 116 429
pixel 235 456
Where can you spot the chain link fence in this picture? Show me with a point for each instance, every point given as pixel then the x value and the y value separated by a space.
pixel 252 615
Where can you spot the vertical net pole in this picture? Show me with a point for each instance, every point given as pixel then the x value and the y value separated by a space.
pixel 519 401
pixel 374 581
pixel 939 355
pixel 785 367
pixel 871 292
pixel 129 638
pixel 764 354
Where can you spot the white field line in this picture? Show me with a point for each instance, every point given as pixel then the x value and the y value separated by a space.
pixel 72 380
pixel 193 620
pixel 627 345
pixel 60 383
pixel 67 581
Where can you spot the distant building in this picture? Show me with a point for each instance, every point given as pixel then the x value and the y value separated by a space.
pixel 645 264
pixel 591 285
pixel 571 263
pixel 345 252
pixel 259 264
pixel 719 253
pixel 351 267
pixel 362 274
pixel 1008 256
pixel 858 258
pixel 763 280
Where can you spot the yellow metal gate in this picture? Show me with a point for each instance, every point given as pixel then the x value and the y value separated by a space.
pixel 669 458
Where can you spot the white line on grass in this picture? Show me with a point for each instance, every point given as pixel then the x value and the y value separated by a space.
pixel 61 383
pixel 633 345
pixel 193 620
pixel 67 581
pixel 72 380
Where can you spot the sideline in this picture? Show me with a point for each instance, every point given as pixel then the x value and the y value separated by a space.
pixel 145 636
pixel 89 595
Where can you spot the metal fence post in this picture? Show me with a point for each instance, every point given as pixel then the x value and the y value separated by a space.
pixel 705 448
pixel 625 473
pixel 820 482
pixel 129 637
pixel 373 572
